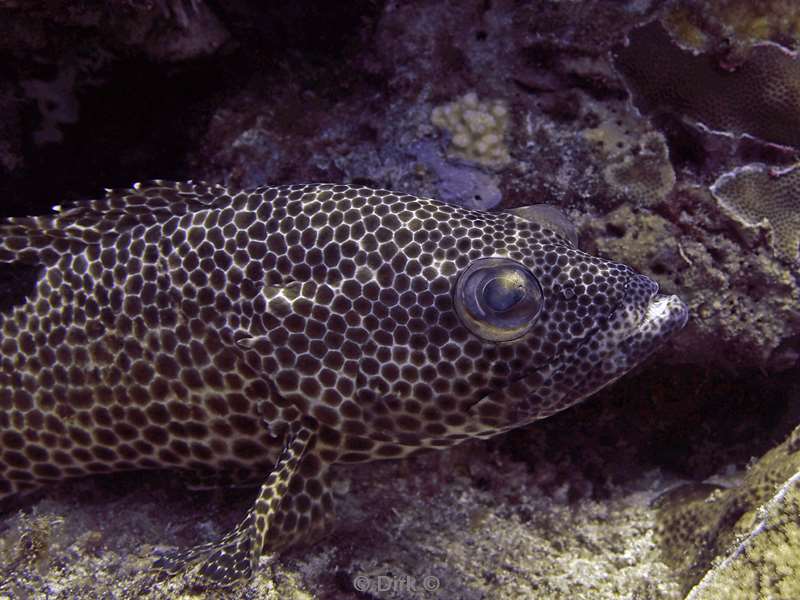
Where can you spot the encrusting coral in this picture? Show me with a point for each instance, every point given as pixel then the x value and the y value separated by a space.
pixel 477 129
pixel 759 96
pixel 759 195
pixel 638 166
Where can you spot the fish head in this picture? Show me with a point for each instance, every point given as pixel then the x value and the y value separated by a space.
pixel 418 319
pixel 558 324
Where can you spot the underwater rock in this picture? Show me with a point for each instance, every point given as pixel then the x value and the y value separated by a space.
pixel 162 30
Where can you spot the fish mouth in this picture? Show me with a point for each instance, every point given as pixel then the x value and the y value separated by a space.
pixel 665 313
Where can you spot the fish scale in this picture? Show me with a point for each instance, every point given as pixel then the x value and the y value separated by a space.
pixel 264 335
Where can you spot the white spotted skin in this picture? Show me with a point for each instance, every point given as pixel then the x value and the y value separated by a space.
pixel 186 326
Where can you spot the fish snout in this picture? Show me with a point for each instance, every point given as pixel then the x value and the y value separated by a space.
pixel 641 289
pixel 656 314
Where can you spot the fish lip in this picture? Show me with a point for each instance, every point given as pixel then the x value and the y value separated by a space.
pixel 666 310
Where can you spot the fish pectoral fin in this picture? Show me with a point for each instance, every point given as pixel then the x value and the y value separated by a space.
pixel 294 504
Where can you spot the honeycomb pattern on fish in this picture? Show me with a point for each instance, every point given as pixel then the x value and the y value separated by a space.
pixel 266 334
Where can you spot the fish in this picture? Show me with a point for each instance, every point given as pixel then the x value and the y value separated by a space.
pixel 264 335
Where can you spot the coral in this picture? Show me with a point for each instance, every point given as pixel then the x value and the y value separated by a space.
pixel 695 526
pixel 757 195
pixel 616 132
pixel 637 158
pixel 700 24
pixel 590 25
pixel 477 129
pixel 758 97
pixel 645 175
pixel 766 563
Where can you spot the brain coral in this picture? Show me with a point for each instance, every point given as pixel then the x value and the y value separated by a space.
pixel 477 129
pixel 759 97
pixel 756 193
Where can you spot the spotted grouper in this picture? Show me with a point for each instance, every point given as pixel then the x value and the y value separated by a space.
pixel 264 335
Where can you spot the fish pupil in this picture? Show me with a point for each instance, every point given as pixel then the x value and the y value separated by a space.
pixel 501 293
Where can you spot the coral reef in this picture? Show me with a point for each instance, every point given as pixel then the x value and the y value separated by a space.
pixel 645 175
pixel 699 522
pixel 759 195
pixel 471 518
pixel 477 129
pixel 230 92
pixel 703 24
pixel 758 96
pixel 591 26
pixel 766 563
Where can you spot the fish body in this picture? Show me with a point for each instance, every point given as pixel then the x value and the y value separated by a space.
pixel 266 334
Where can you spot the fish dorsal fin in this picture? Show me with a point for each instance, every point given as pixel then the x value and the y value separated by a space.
pixel 172 197
pixel 549 217
pixel 77 224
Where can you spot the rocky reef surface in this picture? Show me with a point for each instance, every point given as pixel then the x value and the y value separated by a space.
pixel 667 131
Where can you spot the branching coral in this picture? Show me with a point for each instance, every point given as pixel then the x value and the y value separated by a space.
pixel 760 97
pixel 477 129
pixel 757 195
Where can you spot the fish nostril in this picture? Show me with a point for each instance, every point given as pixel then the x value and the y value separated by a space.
pixel 649 285
pixel 642 287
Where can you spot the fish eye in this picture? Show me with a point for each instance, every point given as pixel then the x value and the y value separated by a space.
pixel 498 299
